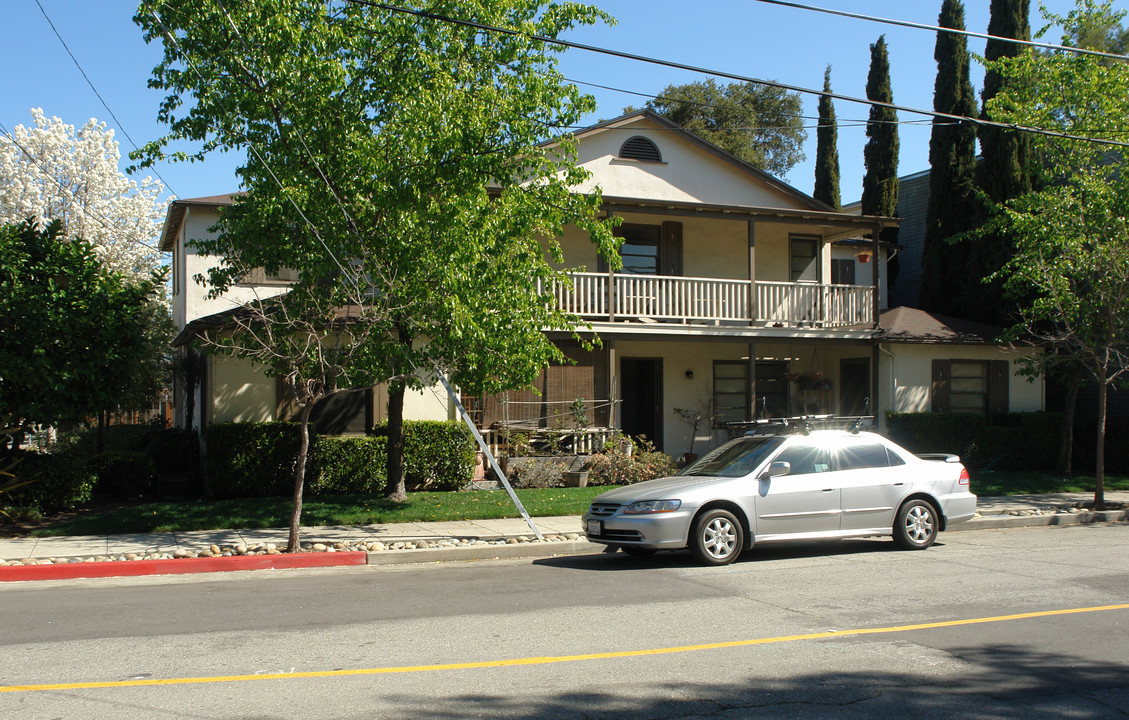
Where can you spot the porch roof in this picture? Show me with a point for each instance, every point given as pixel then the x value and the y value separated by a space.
pixel 911 325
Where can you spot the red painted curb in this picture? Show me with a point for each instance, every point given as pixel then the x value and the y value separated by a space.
pixel 179 566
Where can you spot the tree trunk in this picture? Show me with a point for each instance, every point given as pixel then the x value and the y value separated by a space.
pixel 1099 461
pixel 101 444
pixel 300 475
pixel 396 490
pixel 1065 462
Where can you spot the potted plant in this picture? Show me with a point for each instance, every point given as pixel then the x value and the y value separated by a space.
pixel 693 418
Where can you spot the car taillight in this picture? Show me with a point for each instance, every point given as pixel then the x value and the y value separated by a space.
pixel 964 477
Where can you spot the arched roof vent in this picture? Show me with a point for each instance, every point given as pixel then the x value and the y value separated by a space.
pixel 640 148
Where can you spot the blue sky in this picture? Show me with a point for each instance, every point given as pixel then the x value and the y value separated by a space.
pixel 738 36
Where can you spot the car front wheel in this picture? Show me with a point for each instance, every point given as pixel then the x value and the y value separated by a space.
pixel 916 526
pixel 717 538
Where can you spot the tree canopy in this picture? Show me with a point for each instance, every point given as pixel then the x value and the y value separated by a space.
pixel 760 124
pixel 415 169
pixel 1070 267
pixel 78 338
pixel 880 154
pixel 53 171
pixel 827 149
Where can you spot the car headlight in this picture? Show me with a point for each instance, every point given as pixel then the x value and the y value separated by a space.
pixel 652 506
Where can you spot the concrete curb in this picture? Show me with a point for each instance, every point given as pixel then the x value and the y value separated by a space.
pixel 994 522
pixel 483 552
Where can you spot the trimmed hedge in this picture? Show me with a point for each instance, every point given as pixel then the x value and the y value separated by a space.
pixel 60 482
pixel 124 474
pixel 351 465
pixel 257 459
pixel 1013 441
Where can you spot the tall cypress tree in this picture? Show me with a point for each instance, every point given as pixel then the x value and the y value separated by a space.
pixel 827 149
pixel 1004 173
pixel 880 183
pixel 953 207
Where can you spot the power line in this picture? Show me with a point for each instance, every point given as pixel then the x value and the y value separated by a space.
pixel 734 76
pixel 91 84
pixel 953 31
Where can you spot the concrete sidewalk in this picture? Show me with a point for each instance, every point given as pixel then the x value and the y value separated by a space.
pixel 155 553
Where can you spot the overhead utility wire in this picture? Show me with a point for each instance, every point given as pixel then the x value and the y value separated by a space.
pixel 91 84
pixel 735 76
pixel 953 31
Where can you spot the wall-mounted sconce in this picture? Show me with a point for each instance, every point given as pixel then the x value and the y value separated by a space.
pixel 689 374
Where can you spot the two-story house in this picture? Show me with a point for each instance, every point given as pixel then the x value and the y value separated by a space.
pixel 739 297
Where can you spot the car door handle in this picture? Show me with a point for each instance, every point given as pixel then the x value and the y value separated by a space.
pixel 828 489
pixel 899 484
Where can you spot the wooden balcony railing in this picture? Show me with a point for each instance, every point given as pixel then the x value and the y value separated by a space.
pixel 712 301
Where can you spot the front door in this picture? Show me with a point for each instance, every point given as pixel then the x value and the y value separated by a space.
pixel 641 390
pixel 854 387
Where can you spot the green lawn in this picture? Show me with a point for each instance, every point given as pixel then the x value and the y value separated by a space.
pixel 253 513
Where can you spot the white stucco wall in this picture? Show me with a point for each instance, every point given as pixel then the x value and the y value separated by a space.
pixel 906 375
pixel 687 173
pixel 240 392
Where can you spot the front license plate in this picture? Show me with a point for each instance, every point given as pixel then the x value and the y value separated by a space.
pixel 595 527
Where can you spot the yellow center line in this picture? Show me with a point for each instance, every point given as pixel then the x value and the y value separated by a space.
pixel 515 662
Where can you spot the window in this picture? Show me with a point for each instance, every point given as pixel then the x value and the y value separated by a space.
pixel 804 252
pixel 861 457
pixel 731 391
pixel 970 386
pixel 640 148
pixel 259 276
pixel 843 272
pixel 805 459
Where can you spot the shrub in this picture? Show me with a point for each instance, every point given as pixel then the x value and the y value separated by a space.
pixel 438 454
pixel 175 452
pixel 59 482
pixel 350 465
pixel 255 459
pixel 124 474
pixel 536 472
pixel 1012 441
pixel 615 467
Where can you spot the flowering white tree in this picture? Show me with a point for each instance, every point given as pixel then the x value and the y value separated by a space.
pixel 51 171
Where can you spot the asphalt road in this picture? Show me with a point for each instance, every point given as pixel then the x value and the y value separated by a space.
pixel 987 624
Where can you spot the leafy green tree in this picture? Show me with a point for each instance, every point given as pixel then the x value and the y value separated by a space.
pixel 760 124
pixel 827 149
pixel 1071 238
pixel 414 169
pixel 880 154
pixel 78 338
pixel 953 204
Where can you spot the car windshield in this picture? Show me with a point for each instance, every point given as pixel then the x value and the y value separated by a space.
pixel 735 458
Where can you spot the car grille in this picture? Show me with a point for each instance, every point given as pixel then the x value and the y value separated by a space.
pixel 621 535
pixel 602 509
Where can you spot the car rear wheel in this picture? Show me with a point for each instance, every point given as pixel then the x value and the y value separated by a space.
pixel 916 526
pixel 717 538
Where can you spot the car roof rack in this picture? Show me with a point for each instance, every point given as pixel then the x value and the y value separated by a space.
pixel 801 424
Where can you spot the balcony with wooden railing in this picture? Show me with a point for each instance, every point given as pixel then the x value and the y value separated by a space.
pixel 600 297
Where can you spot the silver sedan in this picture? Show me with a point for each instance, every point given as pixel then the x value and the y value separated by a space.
pixel 765 488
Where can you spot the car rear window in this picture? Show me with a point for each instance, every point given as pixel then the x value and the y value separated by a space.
pixel 859 457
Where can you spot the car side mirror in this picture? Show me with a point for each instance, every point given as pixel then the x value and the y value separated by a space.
pixel 776 469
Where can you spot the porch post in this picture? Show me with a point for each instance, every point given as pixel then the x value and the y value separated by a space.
pixel 752 272
pixel 752 381
pixel 875 356
pixel 875 279
pixel 611 290
pixel 613 385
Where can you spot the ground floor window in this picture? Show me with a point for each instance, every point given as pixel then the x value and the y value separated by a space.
pixel 970 386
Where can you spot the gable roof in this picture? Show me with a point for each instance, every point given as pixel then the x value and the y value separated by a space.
pixel 708 147
pixel 178 209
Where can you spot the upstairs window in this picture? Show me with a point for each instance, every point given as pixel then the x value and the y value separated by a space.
pixel 640 148
pixel 804 252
